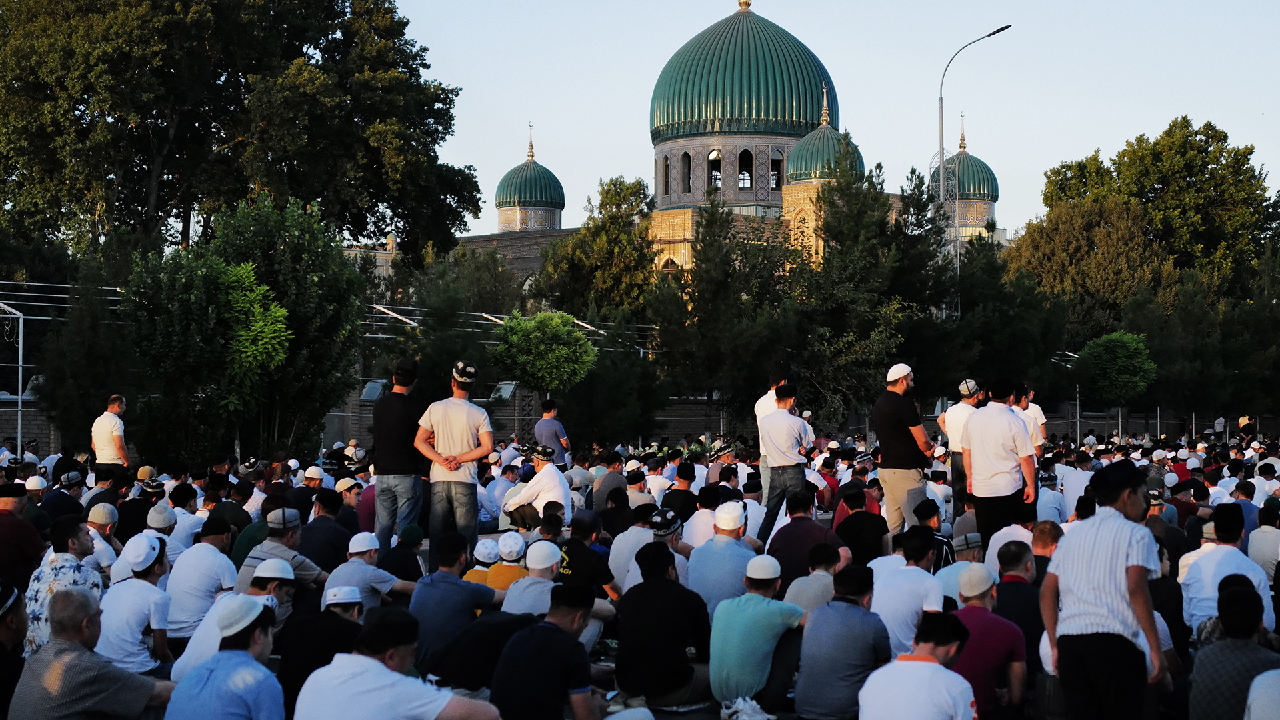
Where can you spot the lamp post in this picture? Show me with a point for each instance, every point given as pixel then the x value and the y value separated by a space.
pixel 942 167
pixel 1068 361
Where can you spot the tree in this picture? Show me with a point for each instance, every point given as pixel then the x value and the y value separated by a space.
pixel 608 263
pixel 1115 368
pixel 126 125
pixel 1202 199
pixel 545 352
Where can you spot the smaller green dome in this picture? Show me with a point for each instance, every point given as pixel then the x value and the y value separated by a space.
pixel 975 180
pixel 815 156
pixel 529 184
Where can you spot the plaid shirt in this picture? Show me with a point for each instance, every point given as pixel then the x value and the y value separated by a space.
pixel 58 571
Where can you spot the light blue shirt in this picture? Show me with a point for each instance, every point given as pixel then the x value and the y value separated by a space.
pixel 717 568
pixel 744 633
pixel 231 685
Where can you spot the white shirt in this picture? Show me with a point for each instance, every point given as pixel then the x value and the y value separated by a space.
pixel 1200 586
pixel 127 608
pixel 105 430
pixel 1073 486
pixel 1033 427
pixel 355 686
pixel 767 403
pixel 1052 506
pixel 701 527
pixel 1264 549
pixel 916 688
pixel 253 505
pixel 956 416
pixel 1184 562
pixel 457 425
pixel 782 437
pixel 998 539
pixel 949 578
pixel 657 486
pixel 184 533
pixel 207 637
pixel 996 438
pixel 624 548
pixel 755 517
pixel 200 573
pixel 940 494
pixel 1092 564
pixel 1264 696
pixel 899 597
pixel 1037 414
pixel 634 578
pixel 549 484
pixel 885 563
pixel 103 557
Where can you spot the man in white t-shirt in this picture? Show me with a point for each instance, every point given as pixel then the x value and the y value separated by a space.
pixel 1034 426
pixel 199 574
pixel 371 682
pixel 901 596
pixel 132 605
pixel 919 685
pixel 453 434
pixel 107 440
pixel 999 460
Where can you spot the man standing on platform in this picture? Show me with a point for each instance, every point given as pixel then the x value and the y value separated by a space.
pixel 397 463
pixel 904 448
pixel 765 405
pixel 783 438
pixel 999 461
pixel 952 423
pixel 107 440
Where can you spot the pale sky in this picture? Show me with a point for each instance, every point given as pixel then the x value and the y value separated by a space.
pixel 1067 78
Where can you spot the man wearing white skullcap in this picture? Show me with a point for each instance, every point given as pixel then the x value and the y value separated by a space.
pixel 235 682
pixel 134 604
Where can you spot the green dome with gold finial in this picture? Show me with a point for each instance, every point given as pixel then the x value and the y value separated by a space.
pixel 529 184
pixel 816 155
pixel 973 178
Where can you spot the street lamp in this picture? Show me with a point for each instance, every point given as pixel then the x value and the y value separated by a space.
pixel 942 167
pixel 1068 361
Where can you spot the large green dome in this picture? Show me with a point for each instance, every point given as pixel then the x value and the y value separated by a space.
pixel 815 156
pixel 742 75
pixel 529 184
pixel 975 180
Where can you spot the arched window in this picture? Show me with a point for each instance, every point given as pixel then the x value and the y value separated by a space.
pixel 776 177
pixel 670 266
pixel 713 169
pixel 666 175
pixel 746 165
pixel 686 174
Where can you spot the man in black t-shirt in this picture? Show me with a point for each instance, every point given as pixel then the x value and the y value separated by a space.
pixel 579 564
pixel 397 461
pixel 680 498
pixel 864 533
pixel 310 643
pixel 545 665
pixel 904 448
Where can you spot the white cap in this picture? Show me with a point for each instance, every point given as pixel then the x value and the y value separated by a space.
pixel 139 552
pixel 341 595
pixel 939 451
pixel 900 370
pixel 968 388
pixel 1255 445
pixel 36 482
pixel 806 413
pixel 542 554
pixel 833 445
pixel 1136 455
pixel 161 516
pixel 729 516
pixel 274 568
pixel 764 567
pixel 487 551
pixel 314 472
pixel 1193 462
pixel 103 514
pixel 1170 479
pixel 494 457
pixel 236 613
pixel 1159 455
pixel 338 445
pixel 346 484
pixel 510 546
pixel 632 464
pixel 975 578
pixel 293 464
pixel 362 542
pixel 1183 454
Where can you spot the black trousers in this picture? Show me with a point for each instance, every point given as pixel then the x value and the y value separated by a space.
pixel 525 517
pixel 997 513
pixel 1103 676
pixel 772 698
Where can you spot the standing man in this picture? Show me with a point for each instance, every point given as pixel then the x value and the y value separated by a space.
pixel 765 405
pixel 904 448
pixel 999 461
pixel 783 438
pixel 548 431
pixel 1099 576
pixel 397 461
pixel 454 433
pixel 952 423
pixel 107 440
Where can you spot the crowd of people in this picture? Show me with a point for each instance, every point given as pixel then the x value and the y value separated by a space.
pixel 986 571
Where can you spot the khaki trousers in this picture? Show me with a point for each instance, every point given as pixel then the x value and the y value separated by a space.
pixel 903 490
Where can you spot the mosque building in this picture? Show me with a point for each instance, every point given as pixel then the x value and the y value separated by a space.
pixel 746 108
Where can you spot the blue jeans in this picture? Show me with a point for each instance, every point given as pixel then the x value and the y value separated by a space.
pixel 784 482
pixel 454 506
pixel 399 502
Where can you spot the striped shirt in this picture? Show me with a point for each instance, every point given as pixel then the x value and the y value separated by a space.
pixel 1091 564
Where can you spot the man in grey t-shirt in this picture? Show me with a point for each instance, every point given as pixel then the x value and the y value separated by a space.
pixel 548 431
pixel 359 572
pixel 532 594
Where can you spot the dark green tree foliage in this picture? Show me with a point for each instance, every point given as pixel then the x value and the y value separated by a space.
pixel 85 360
pixel 1115 368
pixel 608 264
pixel 299 256
pixel 545 352
pixel 124 123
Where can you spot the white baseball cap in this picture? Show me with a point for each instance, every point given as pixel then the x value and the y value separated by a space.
pixel 764 567
pixel 140 552
pixel 362 542
pixel 729 516
pixel 510 546
pixel 274 568
pixel 542 554
pixel 341 595
pixel 236 613
pixel 487 551
pixel 900 370
pixel 975 579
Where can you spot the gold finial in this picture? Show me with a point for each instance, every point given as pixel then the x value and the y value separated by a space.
pixel 962 131
pixel 744 5
pixel 826 114
pixel 530 156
